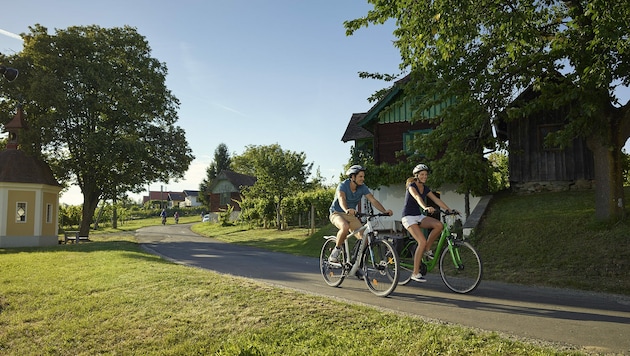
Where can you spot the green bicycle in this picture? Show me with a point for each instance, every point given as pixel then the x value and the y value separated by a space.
pixel 460 264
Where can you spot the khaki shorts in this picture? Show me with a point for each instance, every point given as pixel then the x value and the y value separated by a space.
pixel 352 220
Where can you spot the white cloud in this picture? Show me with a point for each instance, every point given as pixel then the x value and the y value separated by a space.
pixel 10 34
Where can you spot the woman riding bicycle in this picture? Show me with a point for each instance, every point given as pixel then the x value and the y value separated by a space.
pixel 414 219
pixel 344 206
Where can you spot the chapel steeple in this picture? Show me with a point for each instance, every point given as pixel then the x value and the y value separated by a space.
pixel 14 128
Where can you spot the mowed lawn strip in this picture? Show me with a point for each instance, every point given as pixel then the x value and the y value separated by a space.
pixel 110 297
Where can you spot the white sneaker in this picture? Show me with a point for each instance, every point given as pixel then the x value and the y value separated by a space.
pixel 418 278
pixel 429 254
pixel 334 256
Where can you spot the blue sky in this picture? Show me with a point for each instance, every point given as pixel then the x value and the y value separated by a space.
pixel 247 72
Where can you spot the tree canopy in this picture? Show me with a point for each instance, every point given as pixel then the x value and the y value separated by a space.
pixel 485 52
pixel 222 161
pixel 98 111
pixel 278 173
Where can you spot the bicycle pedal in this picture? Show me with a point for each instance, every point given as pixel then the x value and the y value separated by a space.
pixel 334 264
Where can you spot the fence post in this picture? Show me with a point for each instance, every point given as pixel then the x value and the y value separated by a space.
pixel 312 218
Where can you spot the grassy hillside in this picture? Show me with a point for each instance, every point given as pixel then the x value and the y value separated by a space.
pixel 553 239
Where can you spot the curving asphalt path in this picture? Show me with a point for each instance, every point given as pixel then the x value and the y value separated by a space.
pixel 592 321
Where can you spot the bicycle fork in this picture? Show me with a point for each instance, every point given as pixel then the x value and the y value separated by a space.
pixel 454 252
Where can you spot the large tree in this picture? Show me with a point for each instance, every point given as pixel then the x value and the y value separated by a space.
pixel 493 49
pixel 278 173
pixel 221 162
pixel 99 111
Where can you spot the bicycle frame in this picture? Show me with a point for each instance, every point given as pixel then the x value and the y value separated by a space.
pixel 365 241
pixel 459 263
pixel 372 259
pixel 443 242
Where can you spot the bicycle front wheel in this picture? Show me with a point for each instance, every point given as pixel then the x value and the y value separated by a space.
pixel 333 273
pixel 460 267
pixel 380 268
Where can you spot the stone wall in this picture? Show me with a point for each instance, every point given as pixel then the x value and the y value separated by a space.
pixel 551 186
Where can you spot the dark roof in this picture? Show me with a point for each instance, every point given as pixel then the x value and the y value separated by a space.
pixel 176 196
pixel 354 131
pixel 238 180
pixel 18 167
pixel 18 121
pixel 356 127
pixel 158 195
pixel 191 193
pixel 385 101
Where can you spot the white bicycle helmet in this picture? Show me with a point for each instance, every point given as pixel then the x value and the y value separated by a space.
pixel 354 170
pixel 419 168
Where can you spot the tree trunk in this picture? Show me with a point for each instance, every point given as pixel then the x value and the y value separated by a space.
pixel 609 194
pixel 467 204
pixel 114 216
pixel 279 216
pixel 90 201
pixel 99 216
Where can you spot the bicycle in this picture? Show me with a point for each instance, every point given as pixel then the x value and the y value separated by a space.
pixel 460 265
pixel 373 259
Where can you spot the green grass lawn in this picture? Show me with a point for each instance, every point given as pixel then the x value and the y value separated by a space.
pixel 110 297
pixel 553 240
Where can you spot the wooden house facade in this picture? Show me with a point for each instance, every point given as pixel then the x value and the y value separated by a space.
pixel 226 188
pixel 535 165
pixel 386 132
pixel 386 129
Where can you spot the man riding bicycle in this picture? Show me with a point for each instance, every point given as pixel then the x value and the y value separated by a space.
pixel 344 207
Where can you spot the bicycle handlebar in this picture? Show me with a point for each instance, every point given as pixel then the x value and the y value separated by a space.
pixel 452 212
pixel 364 215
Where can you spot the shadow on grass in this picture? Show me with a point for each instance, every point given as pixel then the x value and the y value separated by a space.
pixel 129 248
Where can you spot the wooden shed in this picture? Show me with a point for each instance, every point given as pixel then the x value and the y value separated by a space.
pixel 535 165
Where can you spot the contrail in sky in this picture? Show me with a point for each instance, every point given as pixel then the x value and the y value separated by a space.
pixel 10 34
pixel 230 109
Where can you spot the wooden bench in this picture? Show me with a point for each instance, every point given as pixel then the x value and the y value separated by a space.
pixel 74 237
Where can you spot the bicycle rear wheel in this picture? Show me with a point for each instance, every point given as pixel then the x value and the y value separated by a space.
pixel 460 267
pixel 405 259
pixel 380 268
pixel 333 273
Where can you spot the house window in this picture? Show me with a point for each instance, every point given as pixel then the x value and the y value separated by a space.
pixel 49 213
pixel 21 212
pixel 408 138
pixel 224 199
pixel 543 132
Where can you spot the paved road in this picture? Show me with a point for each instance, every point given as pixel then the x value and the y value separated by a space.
pixel 596 322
